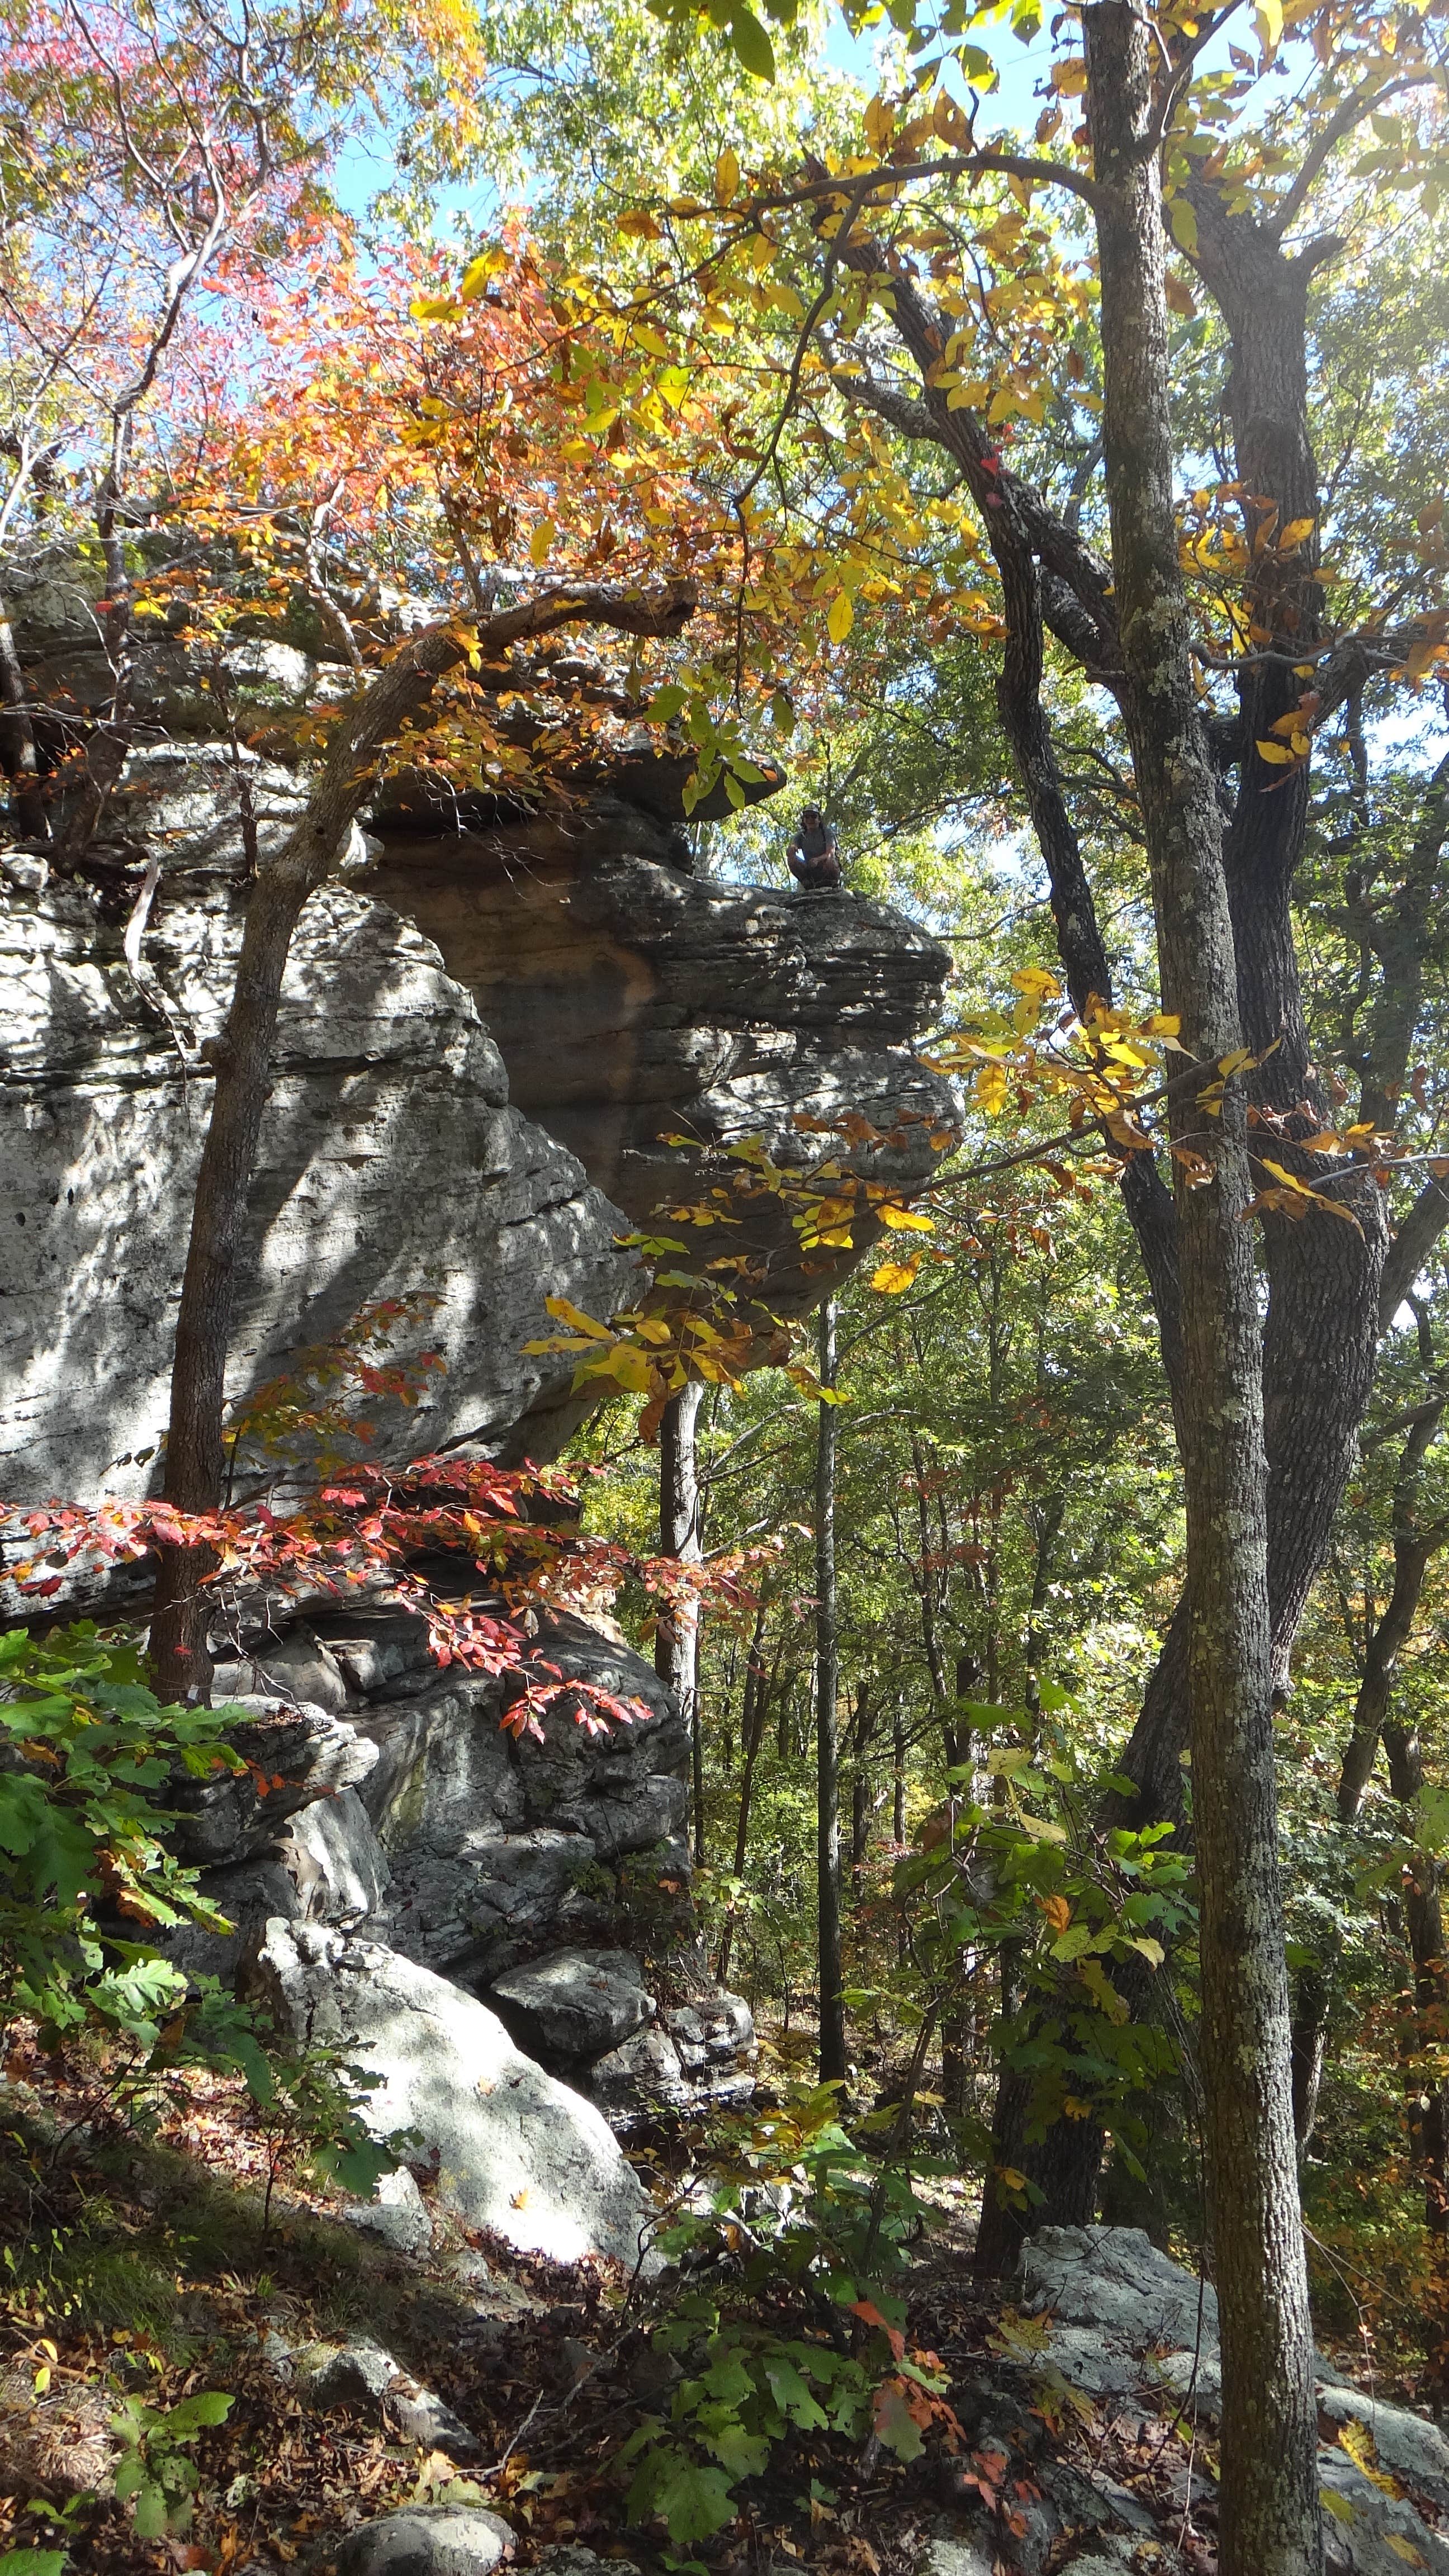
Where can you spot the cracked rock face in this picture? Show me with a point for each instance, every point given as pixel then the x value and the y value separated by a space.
pixel 391 1160
pixel 631 999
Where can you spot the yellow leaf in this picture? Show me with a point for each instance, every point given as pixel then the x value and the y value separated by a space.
pixel 1405 2549
pixel 1359 2443
pixel 478 271
pixel 1035 980
pixel 1294 534
pixel 1342 2507
pixel 894 1277
pixel 990 1088
pixel 1277 752
pixel 906 1220
pixel 841 619
pixel 563 1312
pixel 951 123
pixel 540 544
pixel 880 123
pixel 726 177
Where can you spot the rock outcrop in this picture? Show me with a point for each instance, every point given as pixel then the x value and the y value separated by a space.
pixel 630 997
pixel 533 1874
pixel 391 1161
pixel 517 2153
pixel 1125 2321
pixel 486 1031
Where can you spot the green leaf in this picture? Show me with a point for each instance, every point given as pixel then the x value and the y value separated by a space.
pixel 695 2502
pixel 208 2406
pixel 1184 224
pixel 896 2427
pixel 32 2562
pixel 791 2394
pixel 757 54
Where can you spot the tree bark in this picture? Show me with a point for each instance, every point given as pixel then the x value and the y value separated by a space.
pixel 754 1716
pixel 681 1536
pixel 832 2056
pixel 1270 2520
pixel 240 1057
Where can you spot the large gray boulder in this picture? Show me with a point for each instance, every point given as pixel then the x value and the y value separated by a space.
pixel 301 1754
pixel 325 1866
pixel 502 1847
pixel 518 2152
pixel 575 2003
pixel 1128 2321
pixel 631 998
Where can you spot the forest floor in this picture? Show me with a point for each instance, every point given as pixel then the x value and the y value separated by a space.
pixel 154 2265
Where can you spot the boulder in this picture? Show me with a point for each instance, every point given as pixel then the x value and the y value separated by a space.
pixel 1128 2321
pixel 387 1097
pixel 335 1860
pixel 1408 2446
pixel 631 998
pixel 643 2072
pixel 303 1753
pixel 942 2557
pixel 427 2540
pixel 326 1867
pixel 518 2152
pixel 574 2003
pixel 500 1848
pixel 397 2212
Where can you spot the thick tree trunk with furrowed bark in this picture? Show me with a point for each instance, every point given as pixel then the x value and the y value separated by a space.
pixel 1270 2515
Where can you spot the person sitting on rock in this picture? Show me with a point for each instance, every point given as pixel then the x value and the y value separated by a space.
pixel 813 857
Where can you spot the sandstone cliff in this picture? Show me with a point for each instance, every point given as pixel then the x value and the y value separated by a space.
pixel 486 1033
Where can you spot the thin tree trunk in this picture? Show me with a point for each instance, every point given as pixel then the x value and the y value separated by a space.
pixel 241 1058
pixel 1413 1549
pixel 1270 2518
pixel 1003 2221
pixel 676 1636
pixel 754 1717
pixel 1427 2108
pixel 827 1745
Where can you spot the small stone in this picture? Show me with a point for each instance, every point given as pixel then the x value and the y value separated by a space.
pixel 953 2558
pixel 355 2374
pixel 570 2558
pixel 427 2540
pixel 396 2212
pixel 422 2417
pixel 21 869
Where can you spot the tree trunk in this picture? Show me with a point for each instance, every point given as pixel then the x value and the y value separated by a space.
pixel 1413 1548
pixel 754 1716
pixel 676 1635
pixel 827 1742
pixel 1428 2111
pixel 1003 2222
pixel 1270 2520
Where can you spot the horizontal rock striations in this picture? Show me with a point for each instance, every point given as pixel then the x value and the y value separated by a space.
pixel 391 1161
